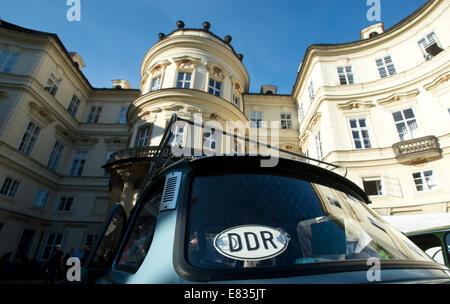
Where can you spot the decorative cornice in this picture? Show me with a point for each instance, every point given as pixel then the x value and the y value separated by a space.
pixel 355 104
pixel 397 97
pixel 39 115
pixel 159 67
pixel 64 135
pixel 441 79
pixel 216 71
pixel 115 143
pixel 85 142
pixel 314 122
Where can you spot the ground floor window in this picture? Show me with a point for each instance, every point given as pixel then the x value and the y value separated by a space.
pixel 53 240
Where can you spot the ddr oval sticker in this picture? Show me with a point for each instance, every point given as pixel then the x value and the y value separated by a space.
pixel 251 242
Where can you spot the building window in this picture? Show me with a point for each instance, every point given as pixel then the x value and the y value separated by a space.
pixel 318 141
pixel 9 187
pixel 214 87
pixel 78 163
pixel 373 186
pixel 94 114
pixel 385 66
pixel 210 140
pixel 123 115
pixel 108 155
pixel 430 46
pixel 286 120
pixel 55 156
pixel 406 124
pixel 236 100
pixel 301 111
pixel 90 240
pixel 177 138
pixel 29 138
pixel 345 74
pixel 360 133
pixel 184 80
pixel 53 240
pixel 143 136
pixel 65 203
pixel 156 84
pixel 425 181
pixel 256 119
pixel 74 105
pixel 41 199
pixel 7 61
pixel 311 91
pixel 52 84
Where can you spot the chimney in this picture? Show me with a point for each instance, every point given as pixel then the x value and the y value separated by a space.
pixel 77 59
pixel 372 31
pixel 121 84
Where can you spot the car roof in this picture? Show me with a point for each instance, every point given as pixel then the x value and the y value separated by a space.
pixel 253 163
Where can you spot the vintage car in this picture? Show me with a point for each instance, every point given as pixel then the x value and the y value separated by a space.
pixel 227 219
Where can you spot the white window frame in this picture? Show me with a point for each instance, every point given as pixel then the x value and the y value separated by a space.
pixel 212 89
pixel 78 163
pixel 9 187
pixel 256 118
pixel 426 41
pixel 285 120
pixel 318 143
pixel 55 156
pixel 63 202
pixel 74 105
pixel 53 84
pixel 29 138
pixel 143 135
pixel 122 119
pixel 94 114
pixel 428 184
pixel 410 133
pixel 211 136
pixel 8 61
pixel 179 135
pixel 181 83
pixel 380 186
pixel 345 74
pixel 360 131
pixel 156 83
pixel 236 100
pixel 41 199
pixel 386 67
pixel 311 92
pixel 53 244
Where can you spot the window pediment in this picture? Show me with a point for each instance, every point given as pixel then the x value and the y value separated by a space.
pixel 40 115
pixel 440 80
pixel 216 72
pixel 186 63
pixel 355 105
pixel 64 135
pixel 85 143
pixel 158 68
pixel 397 97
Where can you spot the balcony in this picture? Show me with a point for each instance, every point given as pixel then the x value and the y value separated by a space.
pixel 135 154
pixel 417 150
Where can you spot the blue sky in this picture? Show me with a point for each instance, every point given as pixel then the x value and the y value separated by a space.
pixel 113 36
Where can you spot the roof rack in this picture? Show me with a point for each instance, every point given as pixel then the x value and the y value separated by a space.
pixel 167 136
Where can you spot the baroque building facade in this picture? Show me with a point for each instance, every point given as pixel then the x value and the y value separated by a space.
pixel 68 151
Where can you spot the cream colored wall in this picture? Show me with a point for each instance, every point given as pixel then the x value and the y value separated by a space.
pixel 91 192
pixel 419 84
